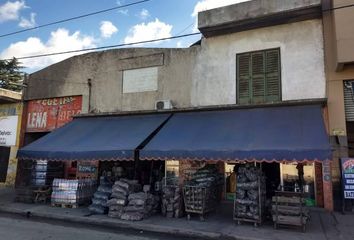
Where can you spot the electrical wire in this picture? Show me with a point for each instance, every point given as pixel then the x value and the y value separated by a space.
pixel 106 47
pixel 186 28
pixel 132 43
pixel 73 18
pixel 114 8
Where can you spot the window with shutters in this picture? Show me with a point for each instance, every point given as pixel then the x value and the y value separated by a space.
pixel 258 77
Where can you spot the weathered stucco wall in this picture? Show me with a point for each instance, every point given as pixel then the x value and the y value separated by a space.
pixel 344 31
pixel 105 69
pixel 302 63
pixel 197 76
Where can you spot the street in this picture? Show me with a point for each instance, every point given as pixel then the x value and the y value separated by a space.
pixel 22 229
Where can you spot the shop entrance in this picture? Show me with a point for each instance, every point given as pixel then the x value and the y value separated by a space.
pixel 273 176
pixel 145 172
pixel 4 162
pixel 271 172
pixel 299 177
pixel 36 174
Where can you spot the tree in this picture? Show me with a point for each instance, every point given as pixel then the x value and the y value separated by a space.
pixel 11 76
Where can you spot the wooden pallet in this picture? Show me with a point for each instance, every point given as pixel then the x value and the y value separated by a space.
pixel 65 205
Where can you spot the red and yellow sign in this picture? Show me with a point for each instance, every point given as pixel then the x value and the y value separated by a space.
pixel 48 114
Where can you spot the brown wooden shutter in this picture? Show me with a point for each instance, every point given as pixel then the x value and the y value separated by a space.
pixel 258 77
pixel 244 78
pixel 272 91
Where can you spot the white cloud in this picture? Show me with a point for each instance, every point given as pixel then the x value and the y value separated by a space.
pixel 28 23
pixel 124 12
pixel 144 14
pixel 148 31
pixel 11 10
pixel 210 4
pixel 179 44
pixel 107 29
pixel 59 41
pixel 119 2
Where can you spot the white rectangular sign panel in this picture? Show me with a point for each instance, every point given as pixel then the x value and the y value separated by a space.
pixel 140 80
pixel 8 130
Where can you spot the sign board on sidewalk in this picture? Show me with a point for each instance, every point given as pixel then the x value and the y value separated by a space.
pixel 348 177
pixel 45 115
pixel 8 130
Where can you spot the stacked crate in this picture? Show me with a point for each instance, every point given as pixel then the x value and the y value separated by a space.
pixel 288 208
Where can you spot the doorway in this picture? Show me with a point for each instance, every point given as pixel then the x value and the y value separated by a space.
pixel 4 162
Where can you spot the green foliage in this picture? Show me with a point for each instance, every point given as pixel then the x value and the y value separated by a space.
pixel 11 76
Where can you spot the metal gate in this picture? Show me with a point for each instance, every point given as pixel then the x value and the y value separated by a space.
pixel 349 100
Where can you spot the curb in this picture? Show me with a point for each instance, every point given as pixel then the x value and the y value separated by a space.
pixel 153 228
pixel 138 226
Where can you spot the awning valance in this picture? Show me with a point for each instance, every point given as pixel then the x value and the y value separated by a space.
pixel 291 133
pixel 95 138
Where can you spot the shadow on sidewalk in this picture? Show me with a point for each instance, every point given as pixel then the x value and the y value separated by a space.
pixel 322 225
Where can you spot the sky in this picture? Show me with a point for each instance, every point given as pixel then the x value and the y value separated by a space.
pixel 145 21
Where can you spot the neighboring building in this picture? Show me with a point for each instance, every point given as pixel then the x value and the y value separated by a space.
pixel 10 125
pixel 285 37
pixel 119 80
pixel 253 64
pixel 254 55
pixel 338 18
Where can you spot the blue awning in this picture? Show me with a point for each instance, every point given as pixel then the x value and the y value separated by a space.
pixel 291 133
pixel 95 138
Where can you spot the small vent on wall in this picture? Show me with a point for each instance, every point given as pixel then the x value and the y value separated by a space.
pixel 163 105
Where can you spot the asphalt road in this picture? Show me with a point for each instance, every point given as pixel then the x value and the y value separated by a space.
pixel 16 228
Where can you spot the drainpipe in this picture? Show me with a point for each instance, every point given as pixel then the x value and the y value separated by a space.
pixel 89 84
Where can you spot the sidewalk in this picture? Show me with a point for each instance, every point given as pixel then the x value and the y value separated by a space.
pixel 323 225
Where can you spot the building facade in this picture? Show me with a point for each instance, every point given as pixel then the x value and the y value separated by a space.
pixel 338 39
pixel 250 58
pixel 10 125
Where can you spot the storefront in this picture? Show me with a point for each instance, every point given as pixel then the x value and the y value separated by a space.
pixel 42 117
pixel 97 146
pixel 279 147
pixel 289 142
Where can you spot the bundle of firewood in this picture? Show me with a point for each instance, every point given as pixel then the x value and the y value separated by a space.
pixel 172 202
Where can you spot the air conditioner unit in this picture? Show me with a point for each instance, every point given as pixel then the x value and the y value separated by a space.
pixel 163 104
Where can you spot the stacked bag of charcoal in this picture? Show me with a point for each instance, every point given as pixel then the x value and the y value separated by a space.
pixel 129 202
pixel 119 198
pixel 140 206
pixel 250 192
pixel 101 197
pixel 207 176
pixel 203 190
pixel 172 202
